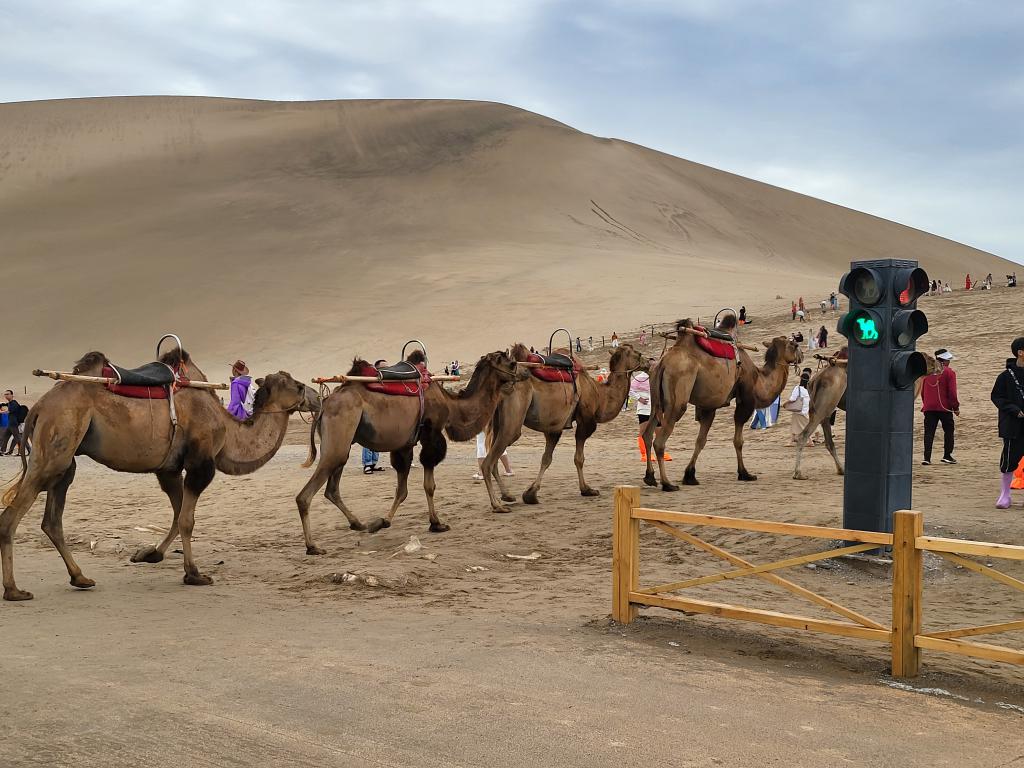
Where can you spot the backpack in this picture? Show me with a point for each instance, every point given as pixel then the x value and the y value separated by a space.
pixel 22 413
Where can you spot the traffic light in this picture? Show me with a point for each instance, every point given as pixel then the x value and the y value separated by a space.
pixel 882 325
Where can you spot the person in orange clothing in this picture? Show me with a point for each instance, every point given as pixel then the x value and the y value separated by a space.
pixel 1018 477
pixel 640 393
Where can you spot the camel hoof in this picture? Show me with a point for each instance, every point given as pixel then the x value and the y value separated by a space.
pixel 508 498
pixel 14 594
pixel 690 478
pixel 147 555
pixel 357 526
pixel 799 476
pixel 439 527
pixel 502 510
pixel 313 549
pixel 745 477
pixel 840 471
pixel 198 580
pixel 530 496
pixel 375 525
pixel 81 582
pixel 589 492
pixel 650 480
pixel 669 487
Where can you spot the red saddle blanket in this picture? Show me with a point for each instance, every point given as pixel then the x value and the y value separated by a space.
pixel 145 393
pixel 550 373
pixel 410 388
pixel 716 348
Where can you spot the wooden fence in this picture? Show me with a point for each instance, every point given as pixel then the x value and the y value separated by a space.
pixel 908 543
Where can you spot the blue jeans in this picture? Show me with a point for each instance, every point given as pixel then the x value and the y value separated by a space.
pixel 369 457
pixel 759 421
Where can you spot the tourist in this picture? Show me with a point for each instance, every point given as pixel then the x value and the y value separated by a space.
pixel 5 436
pixel 743 315
pixel 370 458
pixel 590 343
pixel 793 308
pixel 1008 397
pixel 765 418
pixel 640 394
pixel 824 307
pixel 14 419
pixel 579 345
pixel 643 337
pixel 800 306
pixel 481 454
pixel 823 337
pixel 939 403
pixel 967 282
pixel 833 301
pixel 799 404
pixel 801 315
pixel 615 340
pixel 243 392
pixel 456 368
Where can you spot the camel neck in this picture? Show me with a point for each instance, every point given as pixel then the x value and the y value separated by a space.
pixel 467 416
pixel 612 395
pixel 771 380
pixel 248 445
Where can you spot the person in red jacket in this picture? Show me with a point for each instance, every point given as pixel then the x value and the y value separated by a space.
pixel 940 404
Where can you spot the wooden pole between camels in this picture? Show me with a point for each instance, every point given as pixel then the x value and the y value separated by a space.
pixel 343 379
pixel 61 376
pixel 705 335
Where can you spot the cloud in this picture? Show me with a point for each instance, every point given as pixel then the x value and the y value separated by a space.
pixel 907 110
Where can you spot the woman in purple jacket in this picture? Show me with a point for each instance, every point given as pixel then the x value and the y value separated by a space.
pixel 243 392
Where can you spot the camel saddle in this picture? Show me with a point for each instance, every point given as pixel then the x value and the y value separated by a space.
pixel 404 378
pixel 558 368
pixel 149 382
pixel 719 345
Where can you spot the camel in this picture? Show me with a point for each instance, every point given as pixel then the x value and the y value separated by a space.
pixel 392 423
pixel 828 393
pixel 687 374
pixel 550 407
pixel 136 435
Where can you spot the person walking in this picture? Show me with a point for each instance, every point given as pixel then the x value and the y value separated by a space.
pixel 615 340
pixel 1008 397
pixel 14 418
pixel 793 308
pixel 799 404
pixel 5 435
pixel 370 458
pixel 481 454
pixel 579 346
pixel 823 338
pixel 939 403
pixel 640 394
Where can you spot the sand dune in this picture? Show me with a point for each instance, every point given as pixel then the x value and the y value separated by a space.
pixel 295 235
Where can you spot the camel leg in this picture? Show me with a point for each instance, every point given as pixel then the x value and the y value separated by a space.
pixel 489 469
pixel 436 526
pixel 741 417
pixel 333 495
pixel 9 519
pixel 551 440
pixel 171 484
pixel 706 419
pixel 648 435
pixel 53 526
pixel 826 427
pixel 584 429
pixel 402 462
pixel 197 479
pixel 661 436
pixel 434 449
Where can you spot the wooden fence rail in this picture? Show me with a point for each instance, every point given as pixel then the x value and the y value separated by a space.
pixel 908 544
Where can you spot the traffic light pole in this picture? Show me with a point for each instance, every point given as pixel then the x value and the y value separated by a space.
pixel 882 327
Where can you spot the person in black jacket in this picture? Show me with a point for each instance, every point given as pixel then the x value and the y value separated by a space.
pixel 1008 397
pixel 13 420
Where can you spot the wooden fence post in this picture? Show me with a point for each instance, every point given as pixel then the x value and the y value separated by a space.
pixel 907 575
pixel 625 553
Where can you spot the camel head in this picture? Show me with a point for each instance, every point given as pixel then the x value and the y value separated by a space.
pixel 504 366
pixel 626 359
pixel 782 350
pixel 279 392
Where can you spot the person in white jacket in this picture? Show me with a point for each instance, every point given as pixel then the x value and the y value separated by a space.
pixel 640 394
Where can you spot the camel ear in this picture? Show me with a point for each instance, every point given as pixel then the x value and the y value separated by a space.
pixel 766 345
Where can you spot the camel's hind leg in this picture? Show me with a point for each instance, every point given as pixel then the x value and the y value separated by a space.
pixel 28 490
pixel 401 461
pixel 333 495
pixel 661 435
pixel 489 469
pixel 826 427
pixel 706 419
pixel 171 484
pixel 584 429
pixel 197 478
pixel 550 441
pixel 53 526
pixel 330 466
pixel 435 448
pixel 740 417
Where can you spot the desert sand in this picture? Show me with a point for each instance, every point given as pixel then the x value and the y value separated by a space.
pixel 296 235
pixel 262 230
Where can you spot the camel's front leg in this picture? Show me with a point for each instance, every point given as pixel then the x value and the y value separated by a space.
pixel 401 462
pixel 706 419
pixel 429 486
pixel 197 479
pixel 740 417
pixel 661 435
pixel 648 436
pixel 171 484
pixel 27 492
pixel 584 429
pixel 53 526
pixel 551 440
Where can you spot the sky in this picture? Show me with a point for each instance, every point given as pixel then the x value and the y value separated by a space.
pixel 908 109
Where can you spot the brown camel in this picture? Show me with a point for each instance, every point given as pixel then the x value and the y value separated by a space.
pixel 135 435
pixel 687 374
pixel 828 393
pixel 548 407
pixel 394 423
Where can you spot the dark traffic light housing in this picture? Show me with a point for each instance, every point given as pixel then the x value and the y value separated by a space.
pixel 883 325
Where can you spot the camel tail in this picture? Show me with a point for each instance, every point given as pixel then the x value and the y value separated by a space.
pixel 314 427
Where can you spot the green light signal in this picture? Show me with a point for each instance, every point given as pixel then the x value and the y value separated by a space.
pixel 868 330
